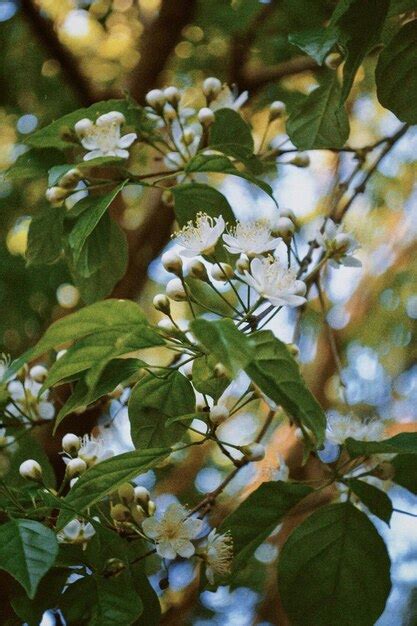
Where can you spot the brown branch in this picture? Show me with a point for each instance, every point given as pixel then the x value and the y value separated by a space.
pixel 255 78
pixel 43 30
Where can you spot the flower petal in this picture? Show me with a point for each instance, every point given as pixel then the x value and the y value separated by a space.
pixel 127 140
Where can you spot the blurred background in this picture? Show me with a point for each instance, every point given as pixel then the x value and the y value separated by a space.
pixel 60 56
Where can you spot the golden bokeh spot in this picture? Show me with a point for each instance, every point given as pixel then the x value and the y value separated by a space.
pixel 184 49
pixel 50 68
pixel 17 237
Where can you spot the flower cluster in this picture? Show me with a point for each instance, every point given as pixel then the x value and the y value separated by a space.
pixel 27 403
pixel 339 245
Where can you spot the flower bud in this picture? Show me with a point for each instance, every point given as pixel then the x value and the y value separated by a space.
pixel 220 370
pixel 56 195
pixel 71 178
pixel 113 567
pixel 223 272
pixel 168 197
pixel 31 470
pixel 38 373
pixel 151 507
pixel 333 60
pixel 197 269
pixel 161 303
pixel 112 117
pixel 156 99
pixel 71 443
pixel 188 136
pixel 276 110
pixel 82 127
pixel 301 160
pixel 138 513
pixel 287 213
pixel 170 113
pixel 206 116
pixel 141 495
pixel 74 467
pixel 254 451
pixel 218 414
pixel 172 262
pixel 175 290
pixel 242 264
pixel 126 493
pixel 212 87
pixel 120 513
pixel 284 227
pixel 172 95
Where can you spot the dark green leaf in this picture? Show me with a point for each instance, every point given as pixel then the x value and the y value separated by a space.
pixel 319 121
pixel 47 597
pixel 376 500
pixel 45 236
pixel 404 443
pixel 405 468
pixel 277 374
pixel 205 296
pixel 222 339
pixel 194 197
pixel 402 6
pixel 107 476
pixel 152 401
pixel 396 74
pixel 316 43
pixel 33 164
pixel 27 551
pixel 231 135
pixel 340 565
pixel 256 518
pixel 204 378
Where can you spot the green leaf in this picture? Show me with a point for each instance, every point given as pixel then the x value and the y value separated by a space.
pixel 33 164
pixel 319 121
pixel 151 614
pixel 194 197
pixel 317 43
pixel 107 476
pixel 401 6
pixel 45 236
pixel 231 135
pixel 115 315
pixel 405 468
pixel 277 374
pixel 47 597
pixel 396 74
pixel 257 517
pixel 27 551
pixel 360 24
pixel 153 400
pixel 404 443
pixel 341 565
pixel 376 500
pixel 222 339
pixel 60 134
pixel 205 295
pixel 204 378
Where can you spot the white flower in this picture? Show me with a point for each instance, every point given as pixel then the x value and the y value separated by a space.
pixel 27 402
pixel 173 532
pixel 31 470
pixel 228 99
pixel 92 450
pixel 341 427
pixel 76 532
pixel 218 555
pixel 250 238
pixel 339 245
pixel 275 282
pixel 103 138
pixel 201 238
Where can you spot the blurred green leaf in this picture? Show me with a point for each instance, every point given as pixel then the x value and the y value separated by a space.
pixel 376 500
pixel 316 43
pixel 46 232
pixel 404 443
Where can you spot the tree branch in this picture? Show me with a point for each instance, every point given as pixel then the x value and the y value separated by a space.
pixel 255 78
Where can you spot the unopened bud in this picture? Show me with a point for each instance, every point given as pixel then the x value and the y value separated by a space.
pixel 71 178
pixel 175 290
pixel 218 414
pixel 161 303
pixel 56 195
pixel 38 373
pixel 223 271
pixel 276 110
pixel 120 513
pixel 156 99
pixel 113 566
pixel 212 87
pixel 197 269
pixel 284 227
pixel 172 95
pixel 141 495
pixel 254 451
pixel 151 507
pixel 242 264
pixel 126 493
pixel 168 198
pixel 170 113
pixel 71 443
pixel 287 213
pixel 172 262
pixel 301 160
pixel 31 470
pixel 219 370
pixel 138 514
pixel 82 127
pixel 333 60
pixel 75 467
pixel 206 116
pixel 188 136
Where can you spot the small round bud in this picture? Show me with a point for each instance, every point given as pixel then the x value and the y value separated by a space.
pixel 287 213
pixel 56 195
pixel 126 493
pixel 384 471
pixel 206 116
pixel 156 99
pixel 168 198
pixel 75 467
pixel 224 272
pixel 138 513
pixel 284 227
pixel 220 370
pixel 112 117
pixel 71 443
pixel 242 264
pixel 170 113
pixel 71 178
pixel 172 262
pixel 38 373
pixel 188 136
pixel 301 160
pixel 218 414
pixel 276 110
pixel 175 290
pixel 254 451
pixel 161 303
pixel 31 470
pixel 333 60
pixel 172 95
pixel 113 567
pixel 151 507
pixel 292 348
pixel 141 495
pixel 120 513
pixel 197 269
pixel 82 127
pixel 212 87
